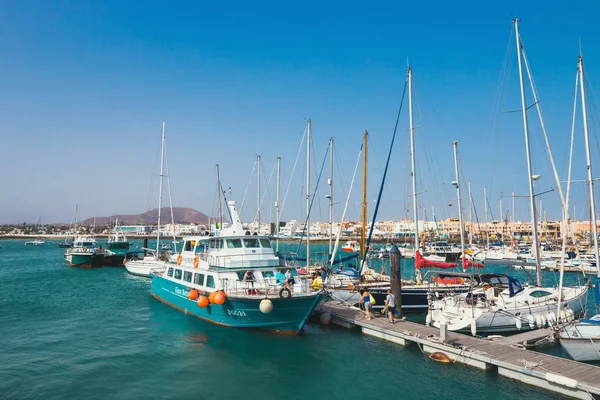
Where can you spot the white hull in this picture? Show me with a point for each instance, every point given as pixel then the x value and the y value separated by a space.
pixel 582 349
pixel 144 267
pixel 491 319
pixel 582 339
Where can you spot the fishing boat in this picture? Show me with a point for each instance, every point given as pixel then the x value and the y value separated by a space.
pixel 85 253
pixel 351 246
pixel 158 257
pixel 233 280
pixel 117 248
pixel 503 304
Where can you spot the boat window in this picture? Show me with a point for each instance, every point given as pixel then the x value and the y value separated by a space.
pixel 177 274
pixel 234 243
pixel 170 271
pixel 199 279
pixel 267 274
pixel 210 281
pixel 211 244
pixel 201 247
pixel 187 276
pixel 188 246
pixel 539 293
pixel 265 243
pixel 219 244
pixel 251 243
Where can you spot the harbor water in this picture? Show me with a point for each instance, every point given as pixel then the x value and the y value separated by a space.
pixel 69 333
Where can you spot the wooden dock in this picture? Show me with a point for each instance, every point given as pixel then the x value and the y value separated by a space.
pixel 506 355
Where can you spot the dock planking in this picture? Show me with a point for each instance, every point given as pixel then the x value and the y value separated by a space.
pixel 506 355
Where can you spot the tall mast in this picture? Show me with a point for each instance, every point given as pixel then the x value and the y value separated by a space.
pixel 530 179
pixel 485 237
pixel 160 185
pixel 330 183
pixel 363 231
pixel 457 184
pixel 470 217
pixel 258 196
pixel 501 220
pixel 219 197
pixel 277 209
pixel 307 227
pixel 589 164
pixel 412 160
pixel 512 231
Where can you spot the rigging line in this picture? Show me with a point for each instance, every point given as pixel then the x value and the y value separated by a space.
pixel 248 186
pixel 312 200
pixel 565 205
pixel 387 164
pixel 225 200
pixel 497 117
pixel 170 197
pixel 293 171
pixel 539 110
pixel 156 158
pixel 339 233
pixel 267 187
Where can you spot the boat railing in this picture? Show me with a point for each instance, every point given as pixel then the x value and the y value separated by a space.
pixel 158 271
pixel 241 260
pixel 270 287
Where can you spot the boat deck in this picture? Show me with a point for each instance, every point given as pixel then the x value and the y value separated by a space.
pixel 506 355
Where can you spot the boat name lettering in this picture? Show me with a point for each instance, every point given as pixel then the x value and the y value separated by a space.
pixel 236 313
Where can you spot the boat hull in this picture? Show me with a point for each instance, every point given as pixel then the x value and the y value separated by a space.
pixel 582 349
pixel 84 260
pixel 288 316
pixel 144 267
pixel 414 298
pixel 500 321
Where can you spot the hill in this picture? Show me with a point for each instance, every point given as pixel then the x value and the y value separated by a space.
pixel 181 215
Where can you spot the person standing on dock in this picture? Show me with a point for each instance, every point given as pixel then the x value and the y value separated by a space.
pixel 366 299
pixel 390 305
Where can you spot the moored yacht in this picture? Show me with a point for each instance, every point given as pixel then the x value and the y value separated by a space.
pixel 234 280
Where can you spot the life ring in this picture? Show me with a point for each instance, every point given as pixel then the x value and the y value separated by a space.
pixel 179 259
pixel 285 294
pixel 196 261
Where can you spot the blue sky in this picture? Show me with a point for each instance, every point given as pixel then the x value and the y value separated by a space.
pixel 86 84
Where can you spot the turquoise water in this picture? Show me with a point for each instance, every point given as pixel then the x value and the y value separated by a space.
pixel 69 333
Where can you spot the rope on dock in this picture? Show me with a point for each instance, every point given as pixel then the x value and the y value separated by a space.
pixel 531 364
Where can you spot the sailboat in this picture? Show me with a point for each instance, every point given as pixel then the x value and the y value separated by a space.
pixel 157 258
pixel 503 304
pixel 69 243
pixel 414 295
pixel 37 241
pixel 581 339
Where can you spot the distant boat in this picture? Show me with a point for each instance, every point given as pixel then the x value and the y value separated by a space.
pixel 65 245
pixel 117 248
pixel 37 241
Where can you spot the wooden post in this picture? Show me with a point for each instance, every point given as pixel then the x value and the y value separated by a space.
pixel 395 281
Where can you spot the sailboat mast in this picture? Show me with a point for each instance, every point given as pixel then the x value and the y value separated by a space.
pixel 460 216
pixel 160 185
pixel 530 179
pixel 485 237
pixel 330 183
pixel 589 164
pixel 412 160
pixel 258 196
pixel 307 227
pixel 219 197
pixel 470 217
pixel 363 231
pixel 277 209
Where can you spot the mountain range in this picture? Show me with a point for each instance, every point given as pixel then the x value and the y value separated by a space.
pixel 181 215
